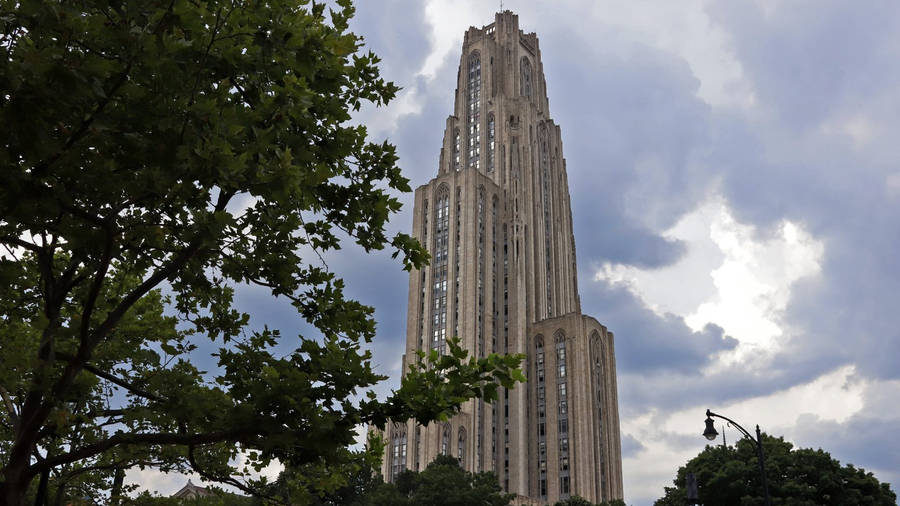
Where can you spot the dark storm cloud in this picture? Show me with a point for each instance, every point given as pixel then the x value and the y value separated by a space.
pixel 864 440
pixel 631 129
pixel 669 391
pixel 602 234
pixel 650 343
pixel 397 32
pixel 379 281
pixel 394 30
pixel 374 279
pixel 631 446
pixel 419 136
pixel 809 59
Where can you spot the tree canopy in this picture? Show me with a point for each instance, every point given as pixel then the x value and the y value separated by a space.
pixel 442 483
pixel 580 501
pixel 154 156
pixel 796 477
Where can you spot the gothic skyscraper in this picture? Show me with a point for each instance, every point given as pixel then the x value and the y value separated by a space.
pixel 497 221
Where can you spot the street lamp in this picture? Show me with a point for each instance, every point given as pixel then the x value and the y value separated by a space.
pixel 710 433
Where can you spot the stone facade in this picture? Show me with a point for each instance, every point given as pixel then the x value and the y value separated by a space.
pixel 498 224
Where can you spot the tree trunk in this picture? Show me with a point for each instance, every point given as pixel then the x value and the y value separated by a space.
pixel 12 493
pixel 40 499
pixel 60 493
pixel 115 496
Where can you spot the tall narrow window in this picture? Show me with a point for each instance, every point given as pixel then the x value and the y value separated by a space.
pixel 562 415
pixel 480 267
pixel 545 197
pixel 456 271
pixel 541 415
pixel 491 143
pixel 439 271
pixel 456 149
pixel 473 113
pixel 398 450
pixel 525 77
pixel 422 315
pixel 597 359
pixel 505 289
pixel 495 285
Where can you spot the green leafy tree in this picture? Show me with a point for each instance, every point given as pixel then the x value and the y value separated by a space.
pixel 294 484
pixel 796 477
pixel 574 501
pixel 442 483
pixel 155 154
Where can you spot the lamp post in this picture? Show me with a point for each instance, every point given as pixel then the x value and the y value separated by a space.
pixel 711 434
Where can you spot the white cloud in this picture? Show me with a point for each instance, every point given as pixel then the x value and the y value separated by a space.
pixel 446 24
pixel 158 482
pixel 892 183
pixel 381 122
pixel 685 29
pixel 448 21
pixel 733 275
pixel 166 484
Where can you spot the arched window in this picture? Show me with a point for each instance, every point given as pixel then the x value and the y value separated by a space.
pixel 473 110
pixel 398 450
pixel 525 77
pixel 461 447
pixel 491 143
pixel 596 349
pixel 445 440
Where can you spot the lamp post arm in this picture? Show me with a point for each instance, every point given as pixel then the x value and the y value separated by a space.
pixel 735 424
pixel 759 450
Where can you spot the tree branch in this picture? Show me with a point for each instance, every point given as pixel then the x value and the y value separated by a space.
pixel 85 125
pixel 112 379
pixel 139 439
pixel 15 241
pixel 227 479
pixel 97 283
pixel 156 278
pixel 10 407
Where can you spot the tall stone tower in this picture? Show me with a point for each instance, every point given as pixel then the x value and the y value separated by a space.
pixel 498 224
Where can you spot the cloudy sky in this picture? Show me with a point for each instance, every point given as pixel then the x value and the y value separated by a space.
pixel 736 198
